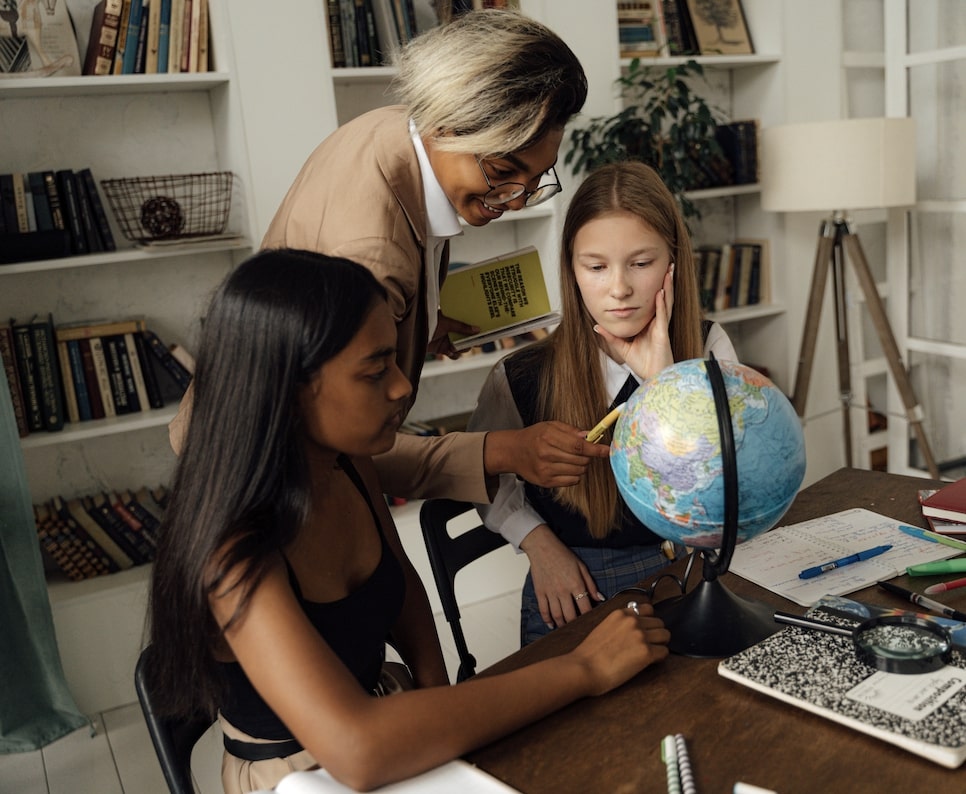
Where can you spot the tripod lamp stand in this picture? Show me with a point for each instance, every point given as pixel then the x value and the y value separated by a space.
pixel 844 165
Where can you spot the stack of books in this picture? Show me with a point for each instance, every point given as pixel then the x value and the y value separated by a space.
pixel 945 508
pixel 86 371
pixel 146 37
pixel 100 533
pixel 51 213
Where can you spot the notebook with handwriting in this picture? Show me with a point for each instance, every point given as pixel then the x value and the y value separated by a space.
pixel 774 559
pixel 924 714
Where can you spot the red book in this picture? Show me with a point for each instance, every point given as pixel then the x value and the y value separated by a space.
pixel 948 503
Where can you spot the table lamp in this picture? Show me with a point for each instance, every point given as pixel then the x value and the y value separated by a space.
pixel 838 166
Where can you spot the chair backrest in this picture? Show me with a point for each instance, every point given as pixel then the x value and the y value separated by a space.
pixel 447 555
pixel 173 740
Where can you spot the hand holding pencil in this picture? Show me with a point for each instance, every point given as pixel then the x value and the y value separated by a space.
pixel 601 427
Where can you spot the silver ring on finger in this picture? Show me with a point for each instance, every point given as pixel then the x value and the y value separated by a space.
pixel 578 596
pixel 632 606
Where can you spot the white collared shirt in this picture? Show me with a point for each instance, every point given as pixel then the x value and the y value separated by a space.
pixel 442 223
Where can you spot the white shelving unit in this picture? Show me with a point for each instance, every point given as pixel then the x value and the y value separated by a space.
pixel 134 125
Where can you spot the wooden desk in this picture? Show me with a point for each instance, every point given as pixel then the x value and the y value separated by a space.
pixel 610 744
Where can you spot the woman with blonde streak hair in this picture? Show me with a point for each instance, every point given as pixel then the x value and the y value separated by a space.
pixel 630 308
pixel 485 99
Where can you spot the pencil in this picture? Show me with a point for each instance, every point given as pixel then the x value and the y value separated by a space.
pixel 601 427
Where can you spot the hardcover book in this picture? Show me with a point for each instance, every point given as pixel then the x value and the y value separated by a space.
pixel 27 370
pixel 818 672
pixel 949 502
pixel 503 296
pixel 50 386
pixel 9 360
pixel 102 45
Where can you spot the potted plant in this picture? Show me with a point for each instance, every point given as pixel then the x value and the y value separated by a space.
pixel 665 124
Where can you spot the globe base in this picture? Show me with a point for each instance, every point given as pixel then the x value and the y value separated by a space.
pixel 713 622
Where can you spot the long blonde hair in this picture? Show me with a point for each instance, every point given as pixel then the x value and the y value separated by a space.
pixel 572 385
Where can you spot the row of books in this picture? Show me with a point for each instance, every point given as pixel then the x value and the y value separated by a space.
pixel 649 28
pixel 86 371
pixel 52 213
pixel 147 37
pixel 369 32
pixel 506 343
pixel 100 533
pixel 733 274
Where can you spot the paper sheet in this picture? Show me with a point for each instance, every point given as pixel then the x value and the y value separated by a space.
pixel 774 559
pixel 455 776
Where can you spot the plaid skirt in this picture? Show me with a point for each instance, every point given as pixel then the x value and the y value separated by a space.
pixel 612 569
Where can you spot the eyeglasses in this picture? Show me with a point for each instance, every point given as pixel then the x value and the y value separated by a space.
pixel 506 192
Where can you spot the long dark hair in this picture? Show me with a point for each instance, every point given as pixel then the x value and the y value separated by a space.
pixel 241 489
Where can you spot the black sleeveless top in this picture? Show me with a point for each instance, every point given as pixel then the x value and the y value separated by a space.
pixel 355 627
pixel 524 371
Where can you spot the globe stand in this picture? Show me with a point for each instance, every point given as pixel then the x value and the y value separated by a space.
pixel 711 621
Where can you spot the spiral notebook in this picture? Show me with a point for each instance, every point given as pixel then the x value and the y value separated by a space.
pixel 924 714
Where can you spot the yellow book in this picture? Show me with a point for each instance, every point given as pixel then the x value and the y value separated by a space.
pixel 503 296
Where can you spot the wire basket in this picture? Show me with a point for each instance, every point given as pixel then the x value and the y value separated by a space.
pixel 177 207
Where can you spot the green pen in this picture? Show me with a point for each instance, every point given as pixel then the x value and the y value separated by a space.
pixel 942 566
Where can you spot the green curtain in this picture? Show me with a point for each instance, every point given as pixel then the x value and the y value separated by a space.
pixel 35 705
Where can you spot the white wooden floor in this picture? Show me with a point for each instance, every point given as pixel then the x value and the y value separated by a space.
pixel 118 758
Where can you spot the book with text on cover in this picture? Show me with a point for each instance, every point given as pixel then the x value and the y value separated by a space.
pixel 502 296
pixel 924 714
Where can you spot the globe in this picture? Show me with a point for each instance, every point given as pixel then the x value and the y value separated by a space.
pixel 667 453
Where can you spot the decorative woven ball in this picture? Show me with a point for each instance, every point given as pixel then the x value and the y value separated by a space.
pixel 162 217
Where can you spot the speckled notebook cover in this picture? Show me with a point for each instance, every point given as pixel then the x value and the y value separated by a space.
pixel 816 672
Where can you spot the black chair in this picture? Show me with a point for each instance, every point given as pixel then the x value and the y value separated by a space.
pixel 449 554
pixel 173 739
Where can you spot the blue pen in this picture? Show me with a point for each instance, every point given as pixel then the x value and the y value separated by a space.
pixel 933 537
pixel 818 570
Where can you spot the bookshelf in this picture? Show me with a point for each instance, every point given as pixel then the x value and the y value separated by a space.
pixel 120 126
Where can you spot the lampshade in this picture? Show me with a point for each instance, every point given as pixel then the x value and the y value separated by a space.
pixel 847 164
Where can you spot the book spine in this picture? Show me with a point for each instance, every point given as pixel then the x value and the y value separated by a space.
pixel 118 66
pixel 11 224
pixel 104 384
pixel 164 36
pixel 80 549
pixel 336 49
pixel 185 64
pixel 131 37
pixel 103 227
pixel 80 379
pixel 48 370
pixel 9 359
pixel 102 44
pixel 88 222
pixel 90 377
pixel 156 346
pixel 67 189
pixel 153 37
pixel 66 378
pixel 137 375
pixel 27 368
pixel 127 373
pixel 45 222
pixel 141 49
pixel 151 385
pixel 118 389
pixel 20 202
pixel 53 198
pixel 174 37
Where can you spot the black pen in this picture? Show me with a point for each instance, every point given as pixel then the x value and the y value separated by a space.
pixel 922 601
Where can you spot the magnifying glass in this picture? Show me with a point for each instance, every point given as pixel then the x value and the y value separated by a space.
pixel 890 643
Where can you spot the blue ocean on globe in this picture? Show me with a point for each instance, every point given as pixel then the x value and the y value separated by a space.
pixel 666 453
